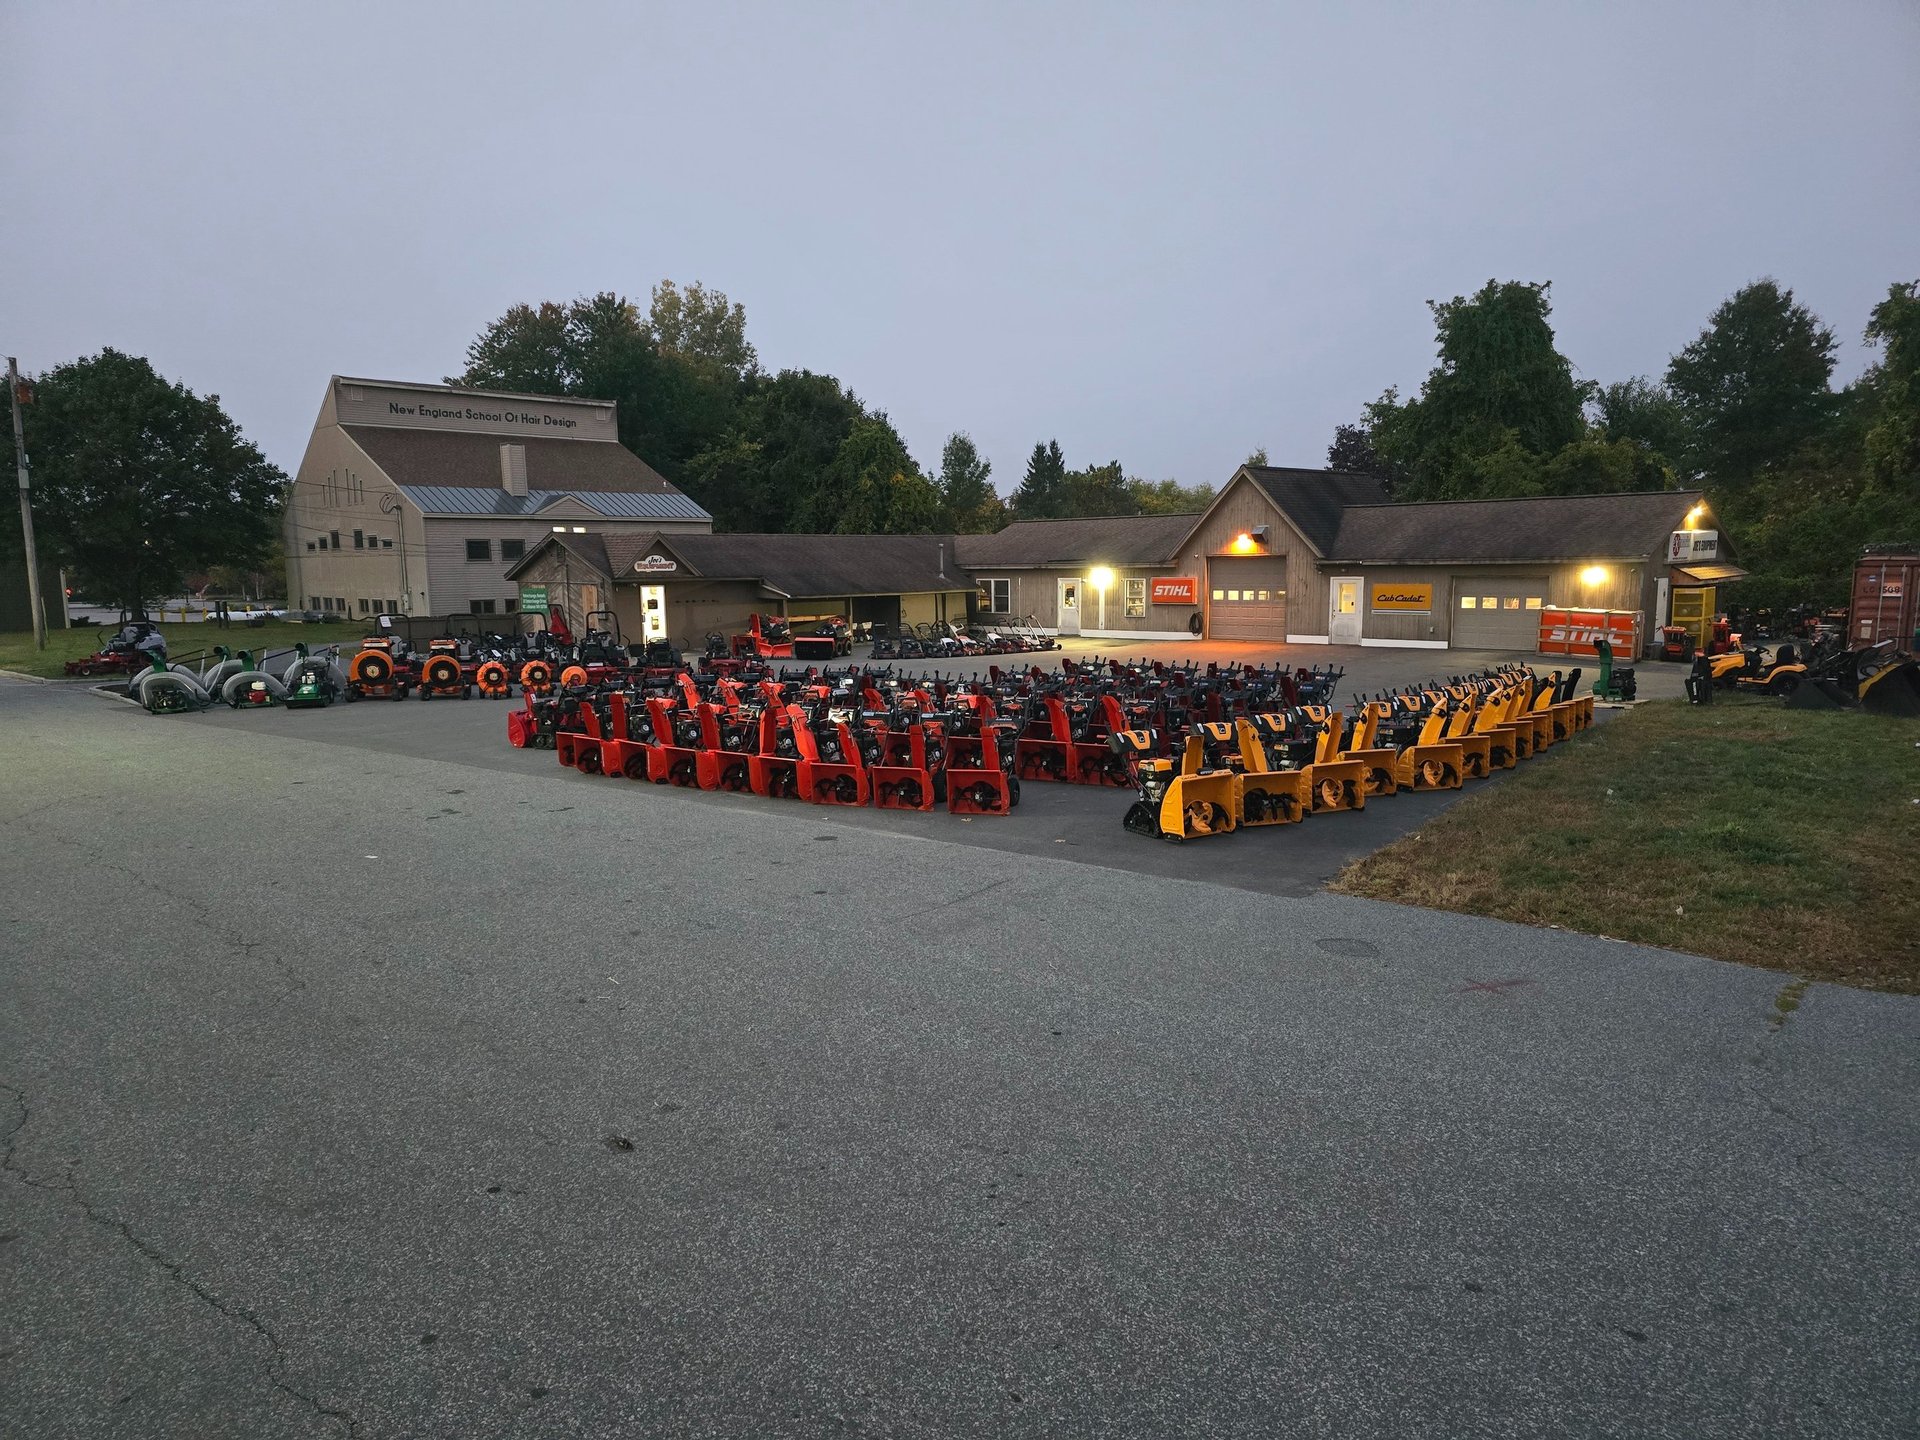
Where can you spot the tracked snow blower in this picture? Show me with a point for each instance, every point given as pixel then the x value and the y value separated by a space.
pixel 1189 803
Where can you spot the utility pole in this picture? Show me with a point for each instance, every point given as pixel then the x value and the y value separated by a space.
pixel 26 509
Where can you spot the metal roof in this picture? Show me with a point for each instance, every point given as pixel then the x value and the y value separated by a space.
pixel 614 504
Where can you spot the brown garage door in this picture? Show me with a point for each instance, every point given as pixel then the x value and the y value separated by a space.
pixel 1247 598
pixel 1499 614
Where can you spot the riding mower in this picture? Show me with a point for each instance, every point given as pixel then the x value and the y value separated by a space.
pixel 125 653
pixel 1187 803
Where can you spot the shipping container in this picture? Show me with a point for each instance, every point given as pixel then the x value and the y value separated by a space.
pixel 1885 605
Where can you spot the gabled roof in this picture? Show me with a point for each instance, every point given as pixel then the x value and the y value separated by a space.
pixel 457 460
pixel 790 565
pixel 1631 526
pixel 615 505
pixel 1315 499
pixel 1112 539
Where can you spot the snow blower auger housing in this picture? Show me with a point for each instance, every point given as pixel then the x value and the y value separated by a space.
pixel 1271 788
pixel 1189 803
pixel 980 760
pixel 1332 783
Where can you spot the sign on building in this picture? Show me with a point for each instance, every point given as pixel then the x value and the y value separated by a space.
pixel 1685 546
pixel 654 565
pixel 533 597
pixel 1175 590
pixel 1401 597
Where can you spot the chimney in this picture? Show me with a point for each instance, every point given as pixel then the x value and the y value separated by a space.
pixel 943 559
pixel 513 469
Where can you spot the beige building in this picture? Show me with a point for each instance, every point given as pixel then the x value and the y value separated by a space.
pixel 418 499
pixel 1323 557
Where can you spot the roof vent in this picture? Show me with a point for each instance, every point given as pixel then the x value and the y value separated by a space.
pixel 513 469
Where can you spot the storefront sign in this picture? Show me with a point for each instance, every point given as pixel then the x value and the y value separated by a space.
pixel 1175 590
pixel 1688 545
pixel 1572 632
pixel 533 597
pixel 655 565
pixel 1399 597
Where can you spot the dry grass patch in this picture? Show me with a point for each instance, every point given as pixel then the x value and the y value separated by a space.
pixel 1782 838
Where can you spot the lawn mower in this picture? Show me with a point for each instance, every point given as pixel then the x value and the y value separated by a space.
pixel 251 685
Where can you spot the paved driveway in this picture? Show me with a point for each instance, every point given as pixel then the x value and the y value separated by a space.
pixel 354 1091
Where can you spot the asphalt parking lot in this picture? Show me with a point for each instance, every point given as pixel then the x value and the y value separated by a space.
pixel 362 1076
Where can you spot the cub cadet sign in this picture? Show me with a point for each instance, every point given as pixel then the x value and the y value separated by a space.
pixel 655 565
pixel 1402 597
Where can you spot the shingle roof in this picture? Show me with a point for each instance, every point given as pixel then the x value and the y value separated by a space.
pixel 1114 539
pixel 1314 499
pixel 1632 526
pixel 615 505
pixel 454 460
pixel 793 565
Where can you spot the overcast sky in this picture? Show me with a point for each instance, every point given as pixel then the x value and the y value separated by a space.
pixel 1164 234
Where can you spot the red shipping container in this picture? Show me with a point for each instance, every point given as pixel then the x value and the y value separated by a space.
pixel 1885 606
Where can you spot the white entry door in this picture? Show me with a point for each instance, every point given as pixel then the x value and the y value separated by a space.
pixel 1069 621
pixel 653 612
pixel 1343 610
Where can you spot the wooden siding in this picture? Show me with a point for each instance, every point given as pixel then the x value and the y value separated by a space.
pixel 1037 593
pixel 1241 509
pixel 1627 587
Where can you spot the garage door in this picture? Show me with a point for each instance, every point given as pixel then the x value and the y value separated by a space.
pixel 1499 614
pixel 1247 598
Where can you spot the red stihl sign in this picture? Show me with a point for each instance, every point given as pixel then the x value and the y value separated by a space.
pixel 1178 590
pixel 1572 632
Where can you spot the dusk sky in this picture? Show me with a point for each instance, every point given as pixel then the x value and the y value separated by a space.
pixel 1162 234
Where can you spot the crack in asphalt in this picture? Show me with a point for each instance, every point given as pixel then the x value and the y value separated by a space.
pixel 1790 998
pixel 153 1255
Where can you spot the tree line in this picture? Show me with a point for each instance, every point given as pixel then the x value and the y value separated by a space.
pixel 1803 474
pixel 791 451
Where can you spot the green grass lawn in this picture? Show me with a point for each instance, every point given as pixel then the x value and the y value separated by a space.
pixel 17 652
pixel 1788 839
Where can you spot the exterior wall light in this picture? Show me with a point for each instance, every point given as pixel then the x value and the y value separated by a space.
pixel 1594 574
pixel 1242 544
pixel 1101 577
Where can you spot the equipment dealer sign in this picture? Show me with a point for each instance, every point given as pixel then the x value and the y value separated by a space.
pixel 655 565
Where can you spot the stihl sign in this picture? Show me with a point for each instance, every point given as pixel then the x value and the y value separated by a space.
pixel 1175 590
pixel 1572 632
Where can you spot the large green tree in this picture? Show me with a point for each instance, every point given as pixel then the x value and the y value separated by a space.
pixel 1170 497
pixel 1754 386
pixel 1042 492
pixel 138 481
pixel 701 325
pixel 968 502
pixel 1098 490
pixel 787 434
pixel 1501 401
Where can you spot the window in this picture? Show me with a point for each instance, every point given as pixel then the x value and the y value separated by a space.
pixel 509 605
pixel 310 545
pixel 1136 599
pixel 359 540
pixel 1263 594
pixel 1219 594
pixel 385 543
pixel 479 550
pixel 512 549
pixel 335 534
pixel 996 597
pixel 1469 602
pixel 365 605
pixel 1512 602
pixel 1533 602
pixel 480 607
pixel 1488 602
pixel 313 602
pixel 322 543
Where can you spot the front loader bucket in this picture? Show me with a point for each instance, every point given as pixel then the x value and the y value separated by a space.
pixel 1273 797
pixel 1337 785
pixel 1434 767
pixel 1199 805
pixel 1819 693
pixel 1893 691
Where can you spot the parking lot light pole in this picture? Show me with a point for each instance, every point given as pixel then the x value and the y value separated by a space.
pixel 26 510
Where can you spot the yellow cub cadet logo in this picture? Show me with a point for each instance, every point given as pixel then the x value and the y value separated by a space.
pixel 1402 597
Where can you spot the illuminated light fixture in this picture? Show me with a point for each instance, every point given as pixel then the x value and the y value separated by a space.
pixel 1595 574
pixel 1101 577
pixel 579 529
pixel 1242 543
pixel 1693 515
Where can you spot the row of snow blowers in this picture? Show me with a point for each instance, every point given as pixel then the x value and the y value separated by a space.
pixel 1278 764
pixel 852 737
